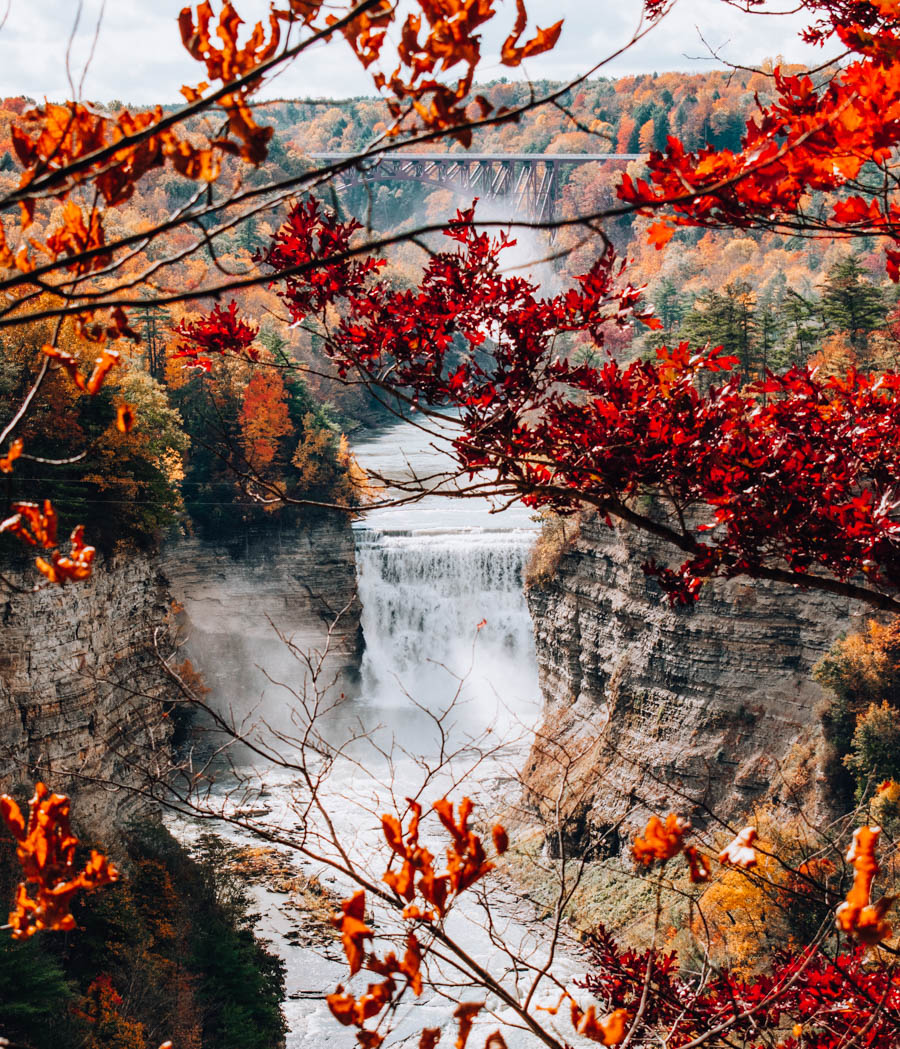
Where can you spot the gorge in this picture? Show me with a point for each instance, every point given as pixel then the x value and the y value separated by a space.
pixel 615 663
pixel 651 706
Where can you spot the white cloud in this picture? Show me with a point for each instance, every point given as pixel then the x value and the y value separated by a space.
pixel 139 57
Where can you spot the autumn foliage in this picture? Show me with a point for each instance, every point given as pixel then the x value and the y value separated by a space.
pixel 424 896
pixel 805 999
pixel 79 163
pixel 789 478
pixel 46 851
pixel 789 1001
pixel 811 138
pixel 858 916
pixel 36 526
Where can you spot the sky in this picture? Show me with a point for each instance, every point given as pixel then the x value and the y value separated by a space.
pixel 139 58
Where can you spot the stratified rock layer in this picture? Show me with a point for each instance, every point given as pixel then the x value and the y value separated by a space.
pixel 82 692
pixel 648 707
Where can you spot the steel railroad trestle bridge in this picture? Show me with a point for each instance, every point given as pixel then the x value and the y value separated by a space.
pixel 530 182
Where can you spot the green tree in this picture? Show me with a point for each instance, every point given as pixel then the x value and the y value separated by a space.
pixel 770 332
pixel 851 303
pixel 670 306
pixel 154 323
pixel 796 316
pixel 727 319
pixel 34 995
pixel 875 749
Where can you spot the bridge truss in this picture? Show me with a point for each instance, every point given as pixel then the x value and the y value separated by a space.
pixel 528 182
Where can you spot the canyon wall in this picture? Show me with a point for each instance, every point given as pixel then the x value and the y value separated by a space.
pixel 254 608
pixel 649 707
pixel 81 691
pixel 83 697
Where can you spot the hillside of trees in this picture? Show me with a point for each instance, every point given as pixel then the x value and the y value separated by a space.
pixel 215 449
pixel 124 237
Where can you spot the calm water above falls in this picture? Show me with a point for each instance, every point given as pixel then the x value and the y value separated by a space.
pixel 429 574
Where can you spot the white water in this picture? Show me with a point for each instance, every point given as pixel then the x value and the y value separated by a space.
pixel 448 637
pixel 424 596
pixel 440 583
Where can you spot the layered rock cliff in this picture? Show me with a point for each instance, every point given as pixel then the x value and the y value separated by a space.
pixel 82 693
pixel 651 707
pixel 83 698
pixel 255 607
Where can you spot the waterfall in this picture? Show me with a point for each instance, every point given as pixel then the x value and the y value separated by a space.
pixel 424 594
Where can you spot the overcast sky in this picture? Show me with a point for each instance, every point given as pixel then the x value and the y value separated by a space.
pixel 139 57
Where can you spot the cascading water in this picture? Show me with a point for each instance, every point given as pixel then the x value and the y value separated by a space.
pixel 443 604
pixel 441 589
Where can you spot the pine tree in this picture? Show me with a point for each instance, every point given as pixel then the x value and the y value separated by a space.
pixel 727 319
pixel 770 329
pixel 154 321
pixel 852 303
pixel 669 304
pixel 797 318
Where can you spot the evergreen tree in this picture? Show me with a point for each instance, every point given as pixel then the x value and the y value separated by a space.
pixel 35 995
pixel 727 319
pixel 660 128
pixel 797 318
pixel 770 329
pixel 851 303
pixel 249 236
pixel 670 306
pixel 154 322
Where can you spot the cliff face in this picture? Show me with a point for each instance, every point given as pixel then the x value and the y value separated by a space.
pixel 81 692
pixel 650 707
pixel 242 602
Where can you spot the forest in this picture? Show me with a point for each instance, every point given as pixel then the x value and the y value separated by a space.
pixel 685 383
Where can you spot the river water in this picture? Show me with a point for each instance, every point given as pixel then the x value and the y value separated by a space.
pixel 448 700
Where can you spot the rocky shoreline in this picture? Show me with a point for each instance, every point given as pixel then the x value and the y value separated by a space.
pixel 310 903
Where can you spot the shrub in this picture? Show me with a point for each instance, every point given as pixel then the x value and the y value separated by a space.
pixel 875 748
pixel 558 536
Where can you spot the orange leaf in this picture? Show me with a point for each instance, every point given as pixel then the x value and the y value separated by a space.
pixel 46 852
pixel 501 840
pixel 354 931
pixel 465 1014
pixel 698 863
pixel 107 360
pixel 543 40
pixel 659 234
pixel 429 1038
pixel 15 450
pixel 857 915
pixel 342 1006
pixel 607 1030
pixel 125 417
pixel 660 842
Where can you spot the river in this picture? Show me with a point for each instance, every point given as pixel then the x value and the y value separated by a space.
pixel 448 700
